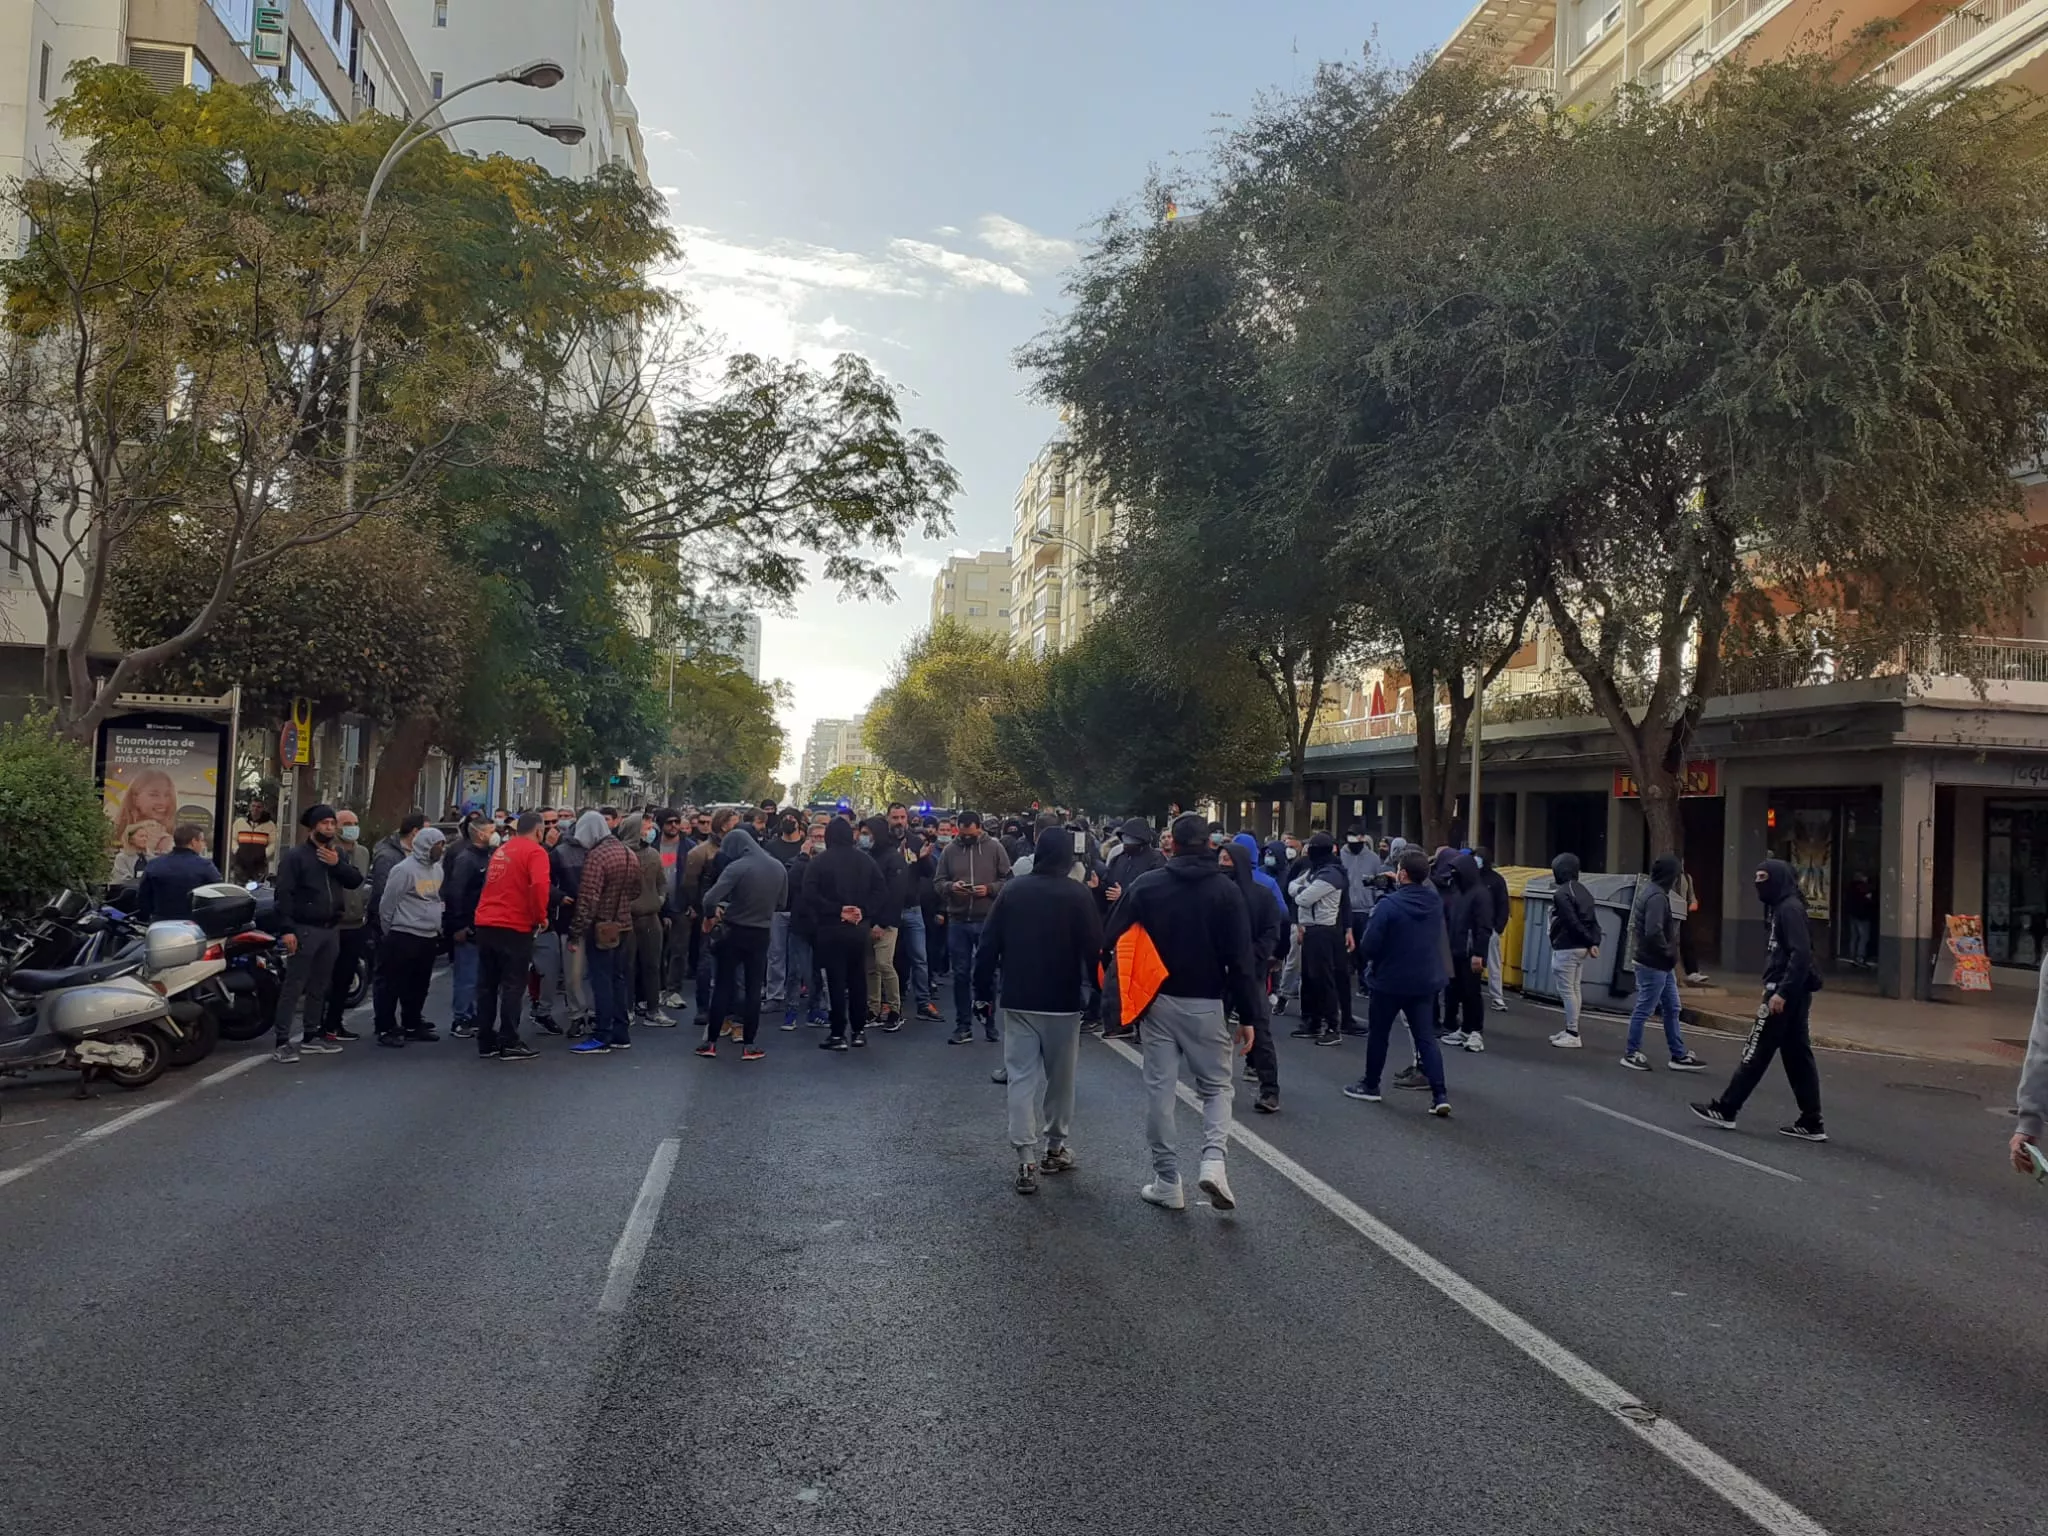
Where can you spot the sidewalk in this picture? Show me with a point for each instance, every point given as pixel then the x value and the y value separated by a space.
pixel 1982 1028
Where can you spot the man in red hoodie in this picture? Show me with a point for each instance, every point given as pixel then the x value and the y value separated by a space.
pixel 511 910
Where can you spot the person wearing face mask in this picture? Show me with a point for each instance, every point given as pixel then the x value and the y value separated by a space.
pixel 1501 911
pixel 650 920
pixel 1362 868
pixel 408 914
pixel 785 987
pixel 885 991
pixel 1789 983
pixel 355 928
pixel 969 875
pixel 803 983
pixel 460 888
pixel 313 880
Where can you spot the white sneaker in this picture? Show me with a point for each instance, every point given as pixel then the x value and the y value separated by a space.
pixel 1698 978
pixel 1565 1040
pixel 1499 1006
pixel 1454 1038
pixel 1167 1195
pixel 671 999
pixel 1216 1185
pixel 1475 1043
pixel 1636 1061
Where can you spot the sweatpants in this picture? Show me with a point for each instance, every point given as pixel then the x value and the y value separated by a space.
pixel 647 937
pixel 780 980
pixel 1569 967
pixel 405 968
pixel 1776 1034
pixel 840 949
pixel 1494 968
pixel 504 956
pixel 1462 1008
pixel 1324 987
pixel 307 975
pixel 1039 1054
pixel 1195 1031
pixel 1420 1012
pixel 742 972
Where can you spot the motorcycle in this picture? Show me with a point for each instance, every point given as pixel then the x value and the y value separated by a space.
pixel 100 1018
pixel 243 998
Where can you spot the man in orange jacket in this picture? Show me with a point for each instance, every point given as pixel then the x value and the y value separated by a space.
pixel 511 910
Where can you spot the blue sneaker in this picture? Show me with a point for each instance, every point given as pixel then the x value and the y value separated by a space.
pixel 789 1020
pixel 819 1019
pixel 590 1045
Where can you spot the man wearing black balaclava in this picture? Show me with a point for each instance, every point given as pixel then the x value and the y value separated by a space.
pixel 1781 1014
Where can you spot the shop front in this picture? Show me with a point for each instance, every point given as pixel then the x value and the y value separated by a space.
pixel 1834 840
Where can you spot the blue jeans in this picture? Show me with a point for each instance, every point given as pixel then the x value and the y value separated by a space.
pixel 910 940
pixel 1654 990
pixel 1420 1010
pixel 963 940
pixel 611 990
pixel 462 963
pixel 707 974
pixel 800 988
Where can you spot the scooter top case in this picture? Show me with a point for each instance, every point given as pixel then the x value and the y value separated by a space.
pixel 174 943
pixel 223 909
pixel 79 1013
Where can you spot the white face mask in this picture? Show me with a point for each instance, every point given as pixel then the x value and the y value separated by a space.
pixel 350 834
pixel 496 838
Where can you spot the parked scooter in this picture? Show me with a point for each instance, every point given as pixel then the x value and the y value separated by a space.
pixel 97 1019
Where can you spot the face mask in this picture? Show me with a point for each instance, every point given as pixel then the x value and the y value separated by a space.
pixel 496 839
pixel 867 840
pixel 351 834
pixel 323 837
pixel 1355 844
pixel 650 835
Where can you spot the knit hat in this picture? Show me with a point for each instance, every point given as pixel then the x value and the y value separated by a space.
pixel 313 815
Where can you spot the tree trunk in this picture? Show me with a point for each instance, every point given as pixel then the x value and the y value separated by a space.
pixel 1297 764
pixel 399 763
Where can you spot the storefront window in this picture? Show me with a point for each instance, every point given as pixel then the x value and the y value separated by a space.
pixel 2016 881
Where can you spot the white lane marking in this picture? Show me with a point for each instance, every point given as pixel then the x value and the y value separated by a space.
pixel 1690 1141
pixel 632 1245
pixel 100 1132
pixel 1766 1508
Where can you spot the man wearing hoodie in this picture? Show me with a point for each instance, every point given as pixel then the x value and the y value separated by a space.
pixel 1322 929
pixel 1362 868
pixel 1781 1017
pixel 1198 924
pixel 408 917
pixel 885 989
pixel 1468 920
pixel 784 843
pixel 650 919
pixel 1266 916
pixel 460 887
pixel 1655 920
pixel 700 869
pixel 841 889
pixel 1574 938
pixel 386 855
pixel 970 873
pixel 2032 1099
pixel 1405 946
pixel 740 909
pixel 1136 857
pixel 598 925
pixel 1500 909
pixel 1044 934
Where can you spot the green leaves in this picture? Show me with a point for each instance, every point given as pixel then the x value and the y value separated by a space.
pixel 50 805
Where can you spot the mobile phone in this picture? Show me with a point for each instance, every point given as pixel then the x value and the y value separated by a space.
pixel 2040 1163
pixel 1080 842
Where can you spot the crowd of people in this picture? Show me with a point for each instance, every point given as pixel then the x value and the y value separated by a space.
pixel 1188 943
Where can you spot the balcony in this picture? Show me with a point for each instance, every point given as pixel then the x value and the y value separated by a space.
pixel 1533 79
pixel 1974 41
pixel 1734 22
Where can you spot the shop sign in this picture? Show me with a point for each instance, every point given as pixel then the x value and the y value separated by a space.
pixel 1700 781
pixel 2033 774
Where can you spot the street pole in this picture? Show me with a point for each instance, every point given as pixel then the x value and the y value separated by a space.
pixel 1478 735
pixel 540 75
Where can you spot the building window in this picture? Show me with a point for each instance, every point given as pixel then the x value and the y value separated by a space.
pixel 43 79
pixel 434 84
pixel 2016 881
pixel 977 610
pixel 303 86
pixel 238 16
pixel 202 73
pixel 440 13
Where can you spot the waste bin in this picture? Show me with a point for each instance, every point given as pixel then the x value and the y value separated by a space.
pixel 1612 897
pixel 1518 878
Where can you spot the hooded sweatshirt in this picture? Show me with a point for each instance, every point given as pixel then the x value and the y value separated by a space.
pixel 752 886
pixel 611 877
pixel 897 878
pixel 1044 933
pixel 1361 868
pixel 1318 891
pixel 1468 916
pixel 1404 943
pixel 1656 921
pixel 1788 956
pixel 1574 919
pixel 1265 913
pixel 1200 928
pixel 841 876
pixel 2033 1094
pixel 1136 857
pixel 654 875
pixel 1260 877
pixel 411 899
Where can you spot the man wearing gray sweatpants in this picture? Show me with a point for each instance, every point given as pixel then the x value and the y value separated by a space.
pixel 1043 934
pixel 1195 918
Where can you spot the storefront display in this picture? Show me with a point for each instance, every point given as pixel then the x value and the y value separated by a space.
pixel 2016 881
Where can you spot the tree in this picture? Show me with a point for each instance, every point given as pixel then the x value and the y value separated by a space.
pixel 721 740
pixel 1744 350
pixel 865 786
pixel 178 325
pixel 932 724
pixel 51 807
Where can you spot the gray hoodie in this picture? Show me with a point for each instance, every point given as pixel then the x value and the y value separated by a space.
pixel 411 899
pixel 2033 1095
pixel 751 888
pixel 1361 869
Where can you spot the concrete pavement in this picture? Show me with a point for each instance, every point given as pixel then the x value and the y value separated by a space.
pixel 361 1295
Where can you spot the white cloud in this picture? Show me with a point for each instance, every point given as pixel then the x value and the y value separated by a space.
pixel 947 231
pixel 663 135
pixel 1023 247
pixel 967 271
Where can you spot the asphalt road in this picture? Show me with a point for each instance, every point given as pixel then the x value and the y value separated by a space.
pixel 363 1295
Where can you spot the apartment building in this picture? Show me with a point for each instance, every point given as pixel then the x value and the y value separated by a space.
pixel 1062 519
pixel 1910 784
pixel 974 592
pixel 832 743
pixel 459 41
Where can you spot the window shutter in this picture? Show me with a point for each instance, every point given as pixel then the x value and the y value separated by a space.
pixel 164 68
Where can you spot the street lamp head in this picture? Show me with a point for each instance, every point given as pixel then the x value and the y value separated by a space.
pixel 561 130
pixel 540 74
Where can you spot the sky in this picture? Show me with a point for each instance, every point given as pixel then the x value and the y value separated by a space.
pixel 908 179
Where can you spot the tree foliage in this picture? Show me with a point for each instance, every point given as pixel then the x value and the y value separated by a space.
pixel 933 723
pixel 720 739
pixel 56 824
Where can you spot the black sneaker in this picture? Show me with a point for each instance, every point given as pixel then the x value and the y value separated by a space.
pixel 1799 1132
pixel 1120 1032
pixel 1027 1179
pixel 426 1036
pixel 518 1051
pixel 961 1037
pixel 396 1042
pixel 833 1044
pixel 1715 1116
pixel 860 1037
pixel 1329 1037
pixel 462 1029
pixel 1355 1029
pixel 1409 1077
pixel 1306 1032
pixel 546 1025
pixel 343 1032
pixel 1269 1104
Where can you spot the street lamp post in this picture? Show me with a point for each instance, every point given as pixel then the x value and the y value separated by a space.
pixel 540 75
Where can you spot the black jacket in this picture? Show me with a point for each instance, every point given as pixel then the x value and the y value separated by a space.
pixel 1201 928
pixel 565 879
pixel 1656 921
pixel 1044 933
pixel 1574 919
pixel 841 876
pixel 308 891
pixel 169 880
pixel 1468 912
pixel 786 854
pixel 1135 860
pixel 1260 908
pixel 463 884
pixel 1788 959
pixel 894 871
pixel 1503 905
pixel 383 859
pixel 800 920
